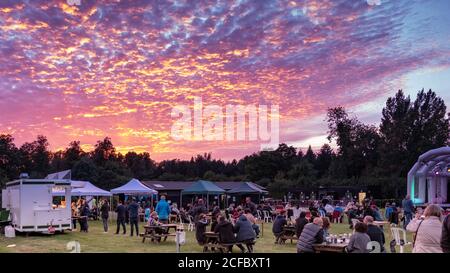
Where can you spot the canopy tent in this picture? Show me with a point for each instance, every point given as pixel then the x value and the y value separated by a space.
pixel 203 187
pixel 134 187
pixel 428 178
pixel 90 190
pixel 247 188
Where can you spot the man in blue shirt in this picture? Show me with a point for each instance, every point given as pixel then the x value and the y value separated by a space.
pixel 163 210
pixel 408 210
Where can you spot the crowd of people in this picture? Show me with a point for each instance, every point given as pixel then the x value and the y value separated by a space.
pixel 238 225
pixel 430 227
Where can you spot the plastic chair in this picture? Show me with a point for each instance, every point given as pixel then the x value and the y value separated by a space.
pixel 399 236
pixel 267 217
pixel 191 225
pixel 259 215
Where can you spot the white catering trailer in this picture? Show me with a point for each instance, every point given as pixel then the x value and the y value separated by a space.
pixel 32 205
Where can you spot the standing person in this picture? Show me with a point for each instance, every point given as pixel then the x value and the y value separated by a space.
pixel 250 205
pixel 121 211
pixel 74 210
pixel 312 234
pixel 359 240
pixel 428 230
pixel 133 210
pixel 278 224
pixel 375 232
pixel 226 232
pixel 104 210
pixel 408 210
pixel 84 216
pixel 163 210
pixel 445 238
pixel 300 223
pixel 200 229
pixel 198 209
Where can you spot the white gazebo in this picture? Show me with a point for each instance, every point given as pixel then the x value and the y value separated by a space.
pixel 133 187
pixel 428 178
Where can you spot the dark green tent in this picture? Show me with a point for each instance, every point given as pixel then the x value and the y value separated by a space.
pixel 247 188
pixel 203 187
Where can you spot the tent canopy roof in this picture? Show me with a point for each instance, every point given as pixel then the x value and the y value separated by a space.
pixel 203 187
pixel 90 190
pixel 134 186
pixel 247 188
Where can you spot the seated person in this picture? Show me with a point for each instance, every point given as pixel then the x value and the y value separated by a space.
pixel 244 233
pixel 252 219
pixel 278 224
pixel 226 232
pixel 147 214
pixel 300 223
pixel 359 240
pixel 312 234
pixel 375 232
pixel 153 221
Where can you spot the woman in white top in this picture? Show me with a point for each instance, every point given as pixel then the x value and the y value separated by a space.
pixel 428 229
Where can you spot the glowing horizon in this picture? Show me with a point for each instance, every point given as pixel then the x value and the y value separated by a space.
pixel 117 68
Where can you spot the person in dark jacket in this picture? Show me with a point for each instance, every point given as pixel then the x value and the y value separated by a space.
pixel 445 237
pixel 408 210
pixel 300 223
pixel 133 210
pixel 375 232
pixel 245 233
pixel 312 234
pixel 198 209
pixel 84 215
pixel 200 229
pixel 250 205
pixel 278 224
pixel 226 232
pixel 104 211
pixel 121 211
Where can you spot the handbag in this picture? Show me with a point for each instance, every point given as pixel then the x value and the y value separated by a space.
pixel 415 234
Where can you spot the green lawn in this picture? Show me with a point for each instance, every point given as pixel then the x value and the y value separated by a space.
pixel 97 241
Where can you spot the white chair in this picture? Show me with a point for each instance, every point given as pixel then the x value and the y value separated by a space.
pixel 191 225
pixel 267 217
pixel 399 235
pixel 259 215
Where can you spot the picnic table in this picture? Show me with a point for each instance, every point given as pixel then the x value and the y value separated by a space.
pixel 289 233
pixel 158 232
pixel 333 247
pixel 211 240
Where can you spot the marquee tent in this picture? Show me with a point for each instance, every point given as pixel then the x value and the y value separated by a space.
pixel 203 187
pixel 247 188
pixel 134 187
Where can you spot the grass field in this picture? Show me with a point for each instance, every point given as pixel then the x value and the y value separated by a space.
pixel 97 241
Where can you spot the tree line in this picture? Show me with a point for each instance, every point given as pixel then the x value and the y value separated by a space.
pixel 366 155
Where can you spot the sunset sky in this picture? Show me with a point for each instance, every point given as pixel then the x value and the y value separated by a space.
pixel 117 68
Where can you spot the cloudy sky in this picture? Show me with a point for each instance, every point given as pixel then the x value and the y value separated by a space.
pixel 117 68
